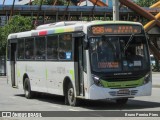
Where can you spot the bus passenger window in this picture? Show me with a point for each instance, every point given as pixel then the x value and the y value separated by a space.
pixel 29 48
pixel 20 49
pixel 65 46
pixel 40 48
pixel 52 45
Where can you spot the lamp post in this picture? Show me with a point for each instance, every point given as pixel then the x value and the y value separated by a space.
pixel 115 10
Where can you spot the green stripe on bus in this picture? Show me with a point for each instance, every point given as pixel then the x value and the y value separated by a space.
pixel 72 74
pixel 122 84
pixel 18 73
pixel 59 30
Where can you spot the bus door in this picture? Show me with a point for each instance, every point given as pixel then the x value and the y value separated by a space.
pixel 78 53
pixel 13 62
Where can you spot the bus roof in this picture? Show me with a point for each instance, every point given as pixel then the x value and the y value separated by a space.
pixel 61 27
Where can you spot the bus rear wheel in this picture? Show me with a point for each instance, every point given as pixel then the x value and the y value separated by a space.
pixel 27 89
pixel 70 96
pixel 122 101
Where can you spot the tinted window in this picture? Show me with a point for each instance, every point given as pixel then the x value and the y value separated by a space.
pixel 20 49
pixel 65 46
pixel 29 48
pixel 52 45
pixel 40 48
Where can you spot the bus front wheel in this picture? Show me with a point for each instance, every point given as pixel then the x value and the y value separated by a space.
pixel 27 89
pixel 70 96
pixel 122 101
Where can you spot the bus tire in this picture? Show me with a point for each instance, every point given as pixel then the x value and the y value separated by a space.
pixel 27 89
pixel 70 96
pixel 122 101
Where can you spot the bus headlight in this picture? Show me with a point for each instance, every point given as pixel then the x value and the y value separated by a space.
pixel 97 81
pixel 147 78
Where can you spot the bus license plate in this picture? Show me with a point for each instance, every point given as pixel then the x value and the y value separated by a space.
pixel 123 91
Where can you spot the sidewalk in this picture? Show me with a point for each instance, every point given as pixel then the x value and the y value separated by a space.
pixel 156 79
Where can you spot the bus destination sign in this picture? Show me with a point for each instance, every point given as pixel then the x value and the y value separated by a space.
pixel 115 29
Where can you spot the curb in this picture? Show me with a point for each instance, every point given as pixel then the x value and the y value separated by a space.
pixel 155 72
pixel 3 77
pixel 156 86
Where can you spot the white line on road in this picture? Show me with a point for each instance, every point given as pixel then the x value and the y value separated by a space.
pixel 97 115
pixel 156 88
pixel 12 97
pixel 55 106
pixel 73 110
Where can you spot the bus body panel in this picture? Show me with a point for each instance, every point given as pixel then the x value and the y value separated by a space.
pixel 56 74
pixel 35 71
pixel 45 76
pixel 89 76
pixel 104 93
pixel 86 85
pixel 8 73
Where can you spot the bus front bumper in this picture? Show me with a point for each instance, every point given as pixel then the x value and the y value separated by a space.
pixel 97 93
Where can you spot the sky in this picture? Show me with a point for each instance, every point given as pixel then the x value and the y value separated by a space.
pixel 7 2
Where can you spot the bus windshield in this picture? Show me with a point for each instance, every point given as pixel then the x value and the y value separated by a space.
pixel 118 53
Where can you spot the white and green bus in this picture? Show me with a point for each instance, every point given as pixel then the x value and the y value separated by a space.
pixel 88 60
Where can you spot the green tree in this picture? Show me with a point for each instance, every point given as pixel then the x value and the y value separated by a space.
pixel 146 3
pixel 16 24
pixel 49 2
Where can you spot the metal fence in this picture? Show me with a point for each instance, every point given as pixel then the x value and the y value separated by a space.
pixel 2 65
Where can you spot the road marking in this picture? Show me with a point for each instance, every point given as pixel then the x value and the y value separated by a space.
pixel 156 87
pixel 55 106
pixel 12 97
pixel 97 115
pixel 73 110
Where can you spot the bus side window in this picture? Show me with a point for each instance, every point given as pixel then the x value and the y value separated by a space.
pixel 52 45
pixel 29 48
pixel 20 49
pixel 65 46
pixel 40 48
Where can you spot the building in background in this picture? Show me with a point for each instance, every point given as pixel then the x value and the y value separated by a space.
pixel 2 20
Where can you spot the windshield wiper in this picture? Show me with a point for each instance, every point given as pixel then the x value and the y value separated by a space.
pixel 130 39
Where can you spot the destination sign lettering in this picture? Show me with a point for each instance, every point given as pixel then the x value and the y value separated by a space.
pixel 116 29
pixel 108 65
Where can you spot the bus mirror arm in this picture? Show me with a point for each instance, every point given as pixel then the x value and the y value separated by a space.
pixel 85 45
pixel 85 42
pixel 147 36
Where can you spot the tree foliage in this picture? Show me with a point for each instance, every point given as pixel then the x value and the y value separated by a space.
pixel 49 2
pixel 58 2
pixel 146 3
pixel 16 24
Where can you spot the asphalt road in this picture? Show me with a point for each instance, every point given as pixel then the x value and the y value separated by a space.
pixel 13 100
